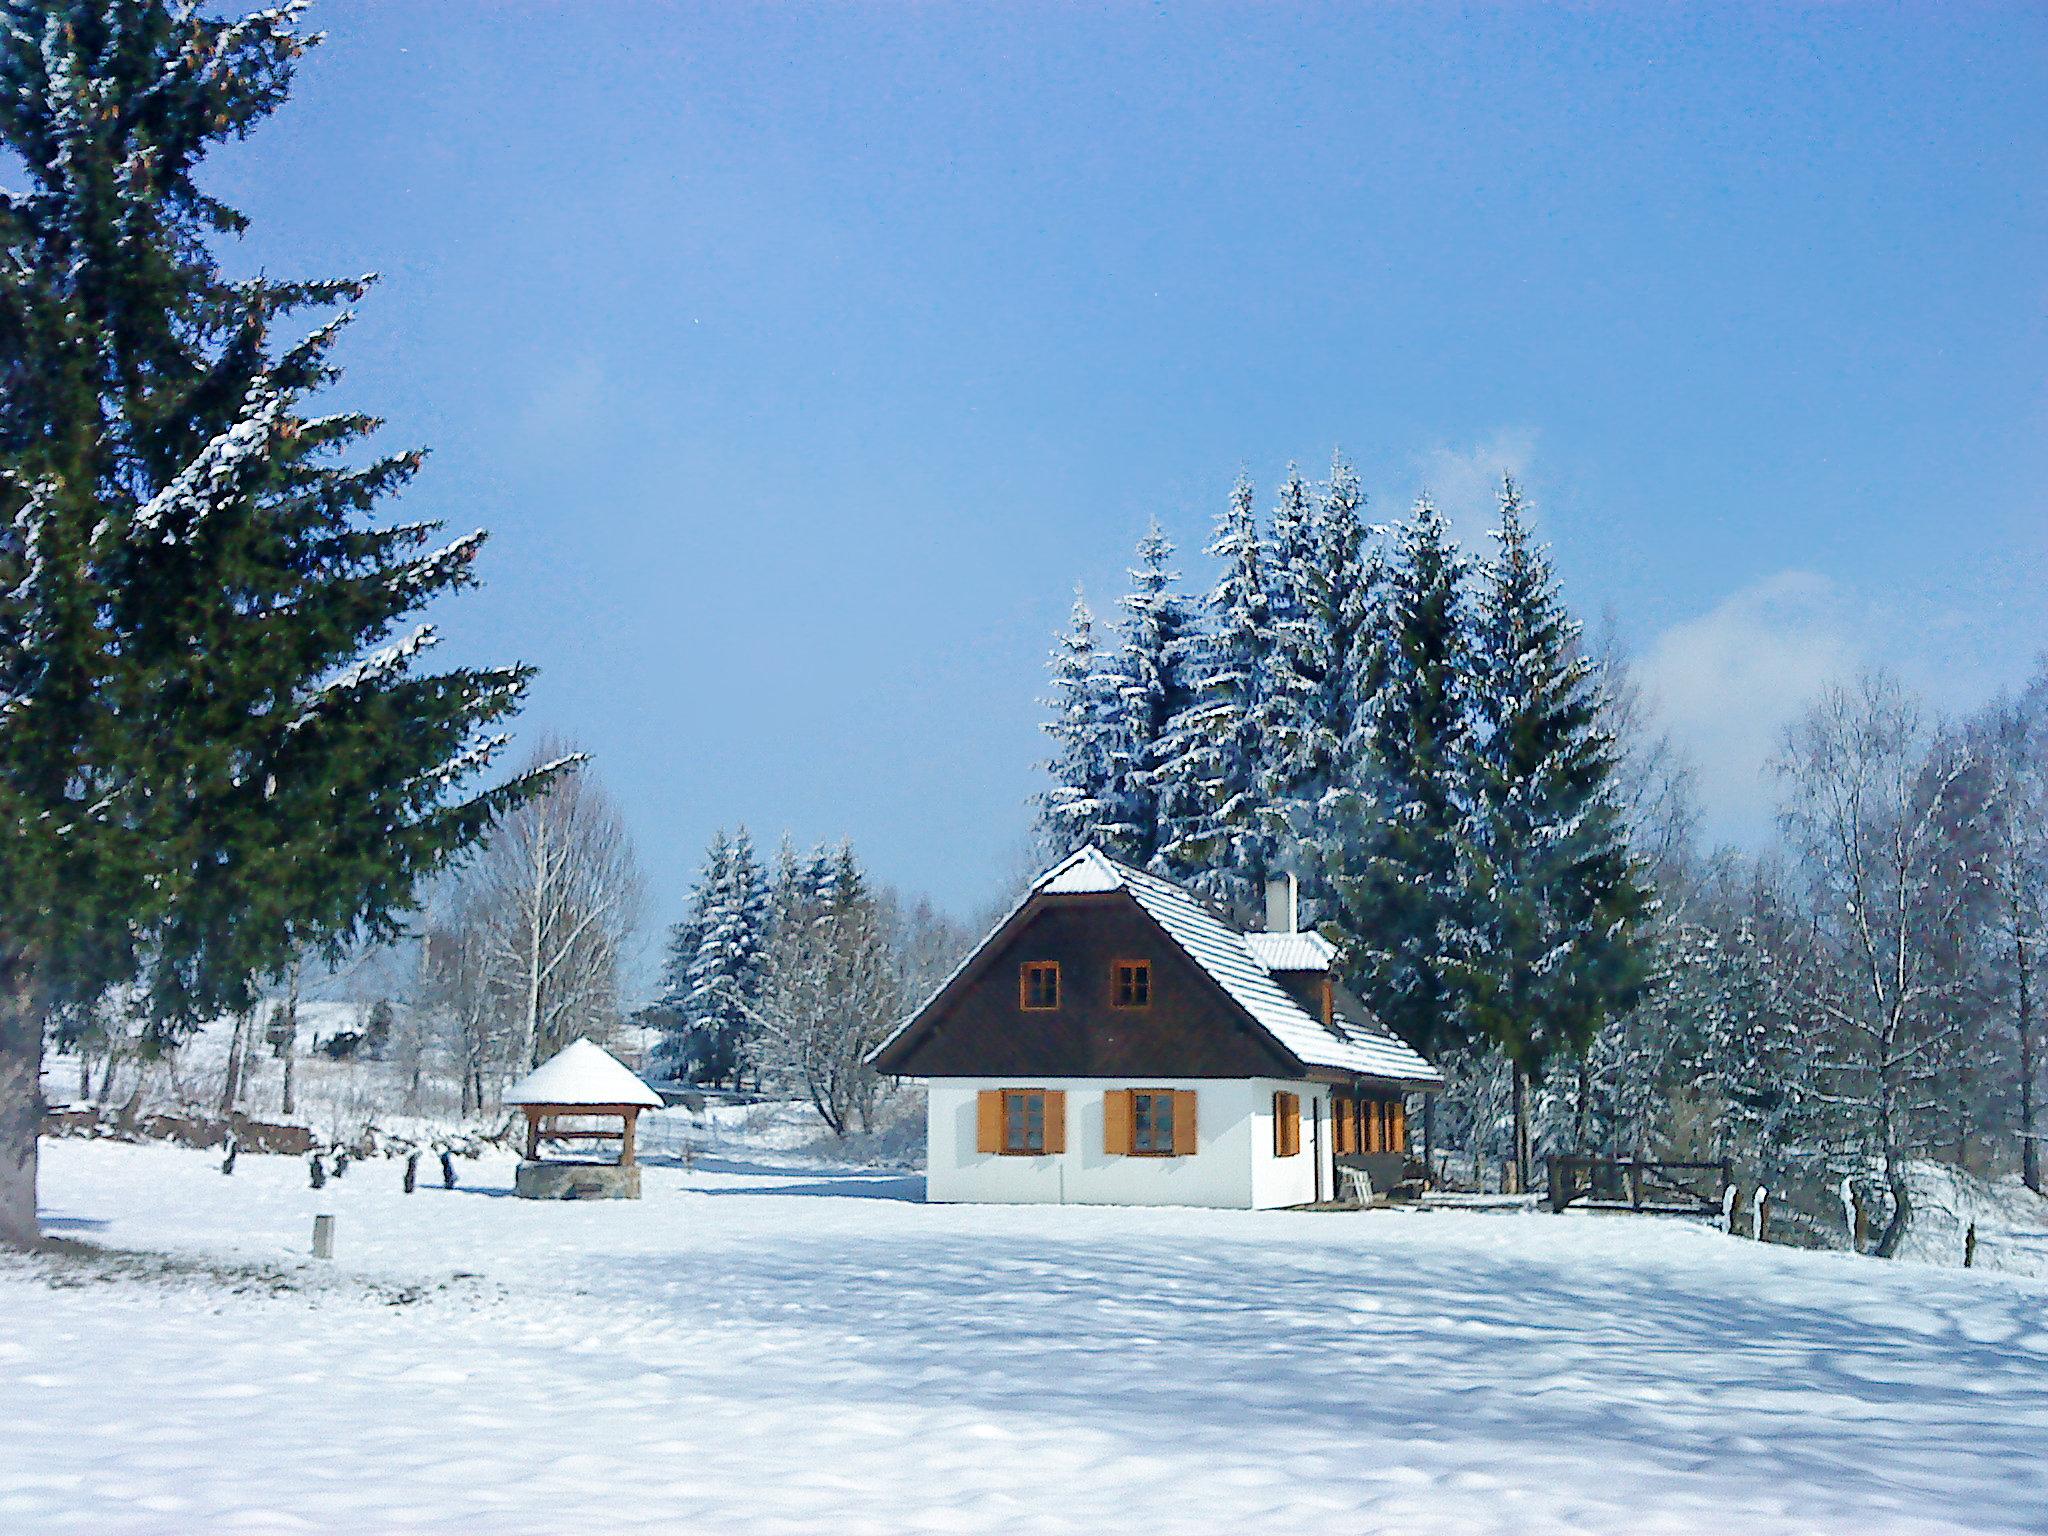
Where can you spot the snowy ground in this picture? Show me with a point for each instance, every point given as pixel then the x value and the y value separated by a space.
pixel 758 1348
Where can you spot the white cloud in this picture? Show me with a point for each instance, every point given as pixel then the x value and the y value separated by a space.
pixel 1727 683
pixel 1465 482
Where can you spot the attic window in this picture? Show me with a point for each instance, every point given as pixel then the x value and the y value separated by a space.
pixel 1131 984
pixel 1038 986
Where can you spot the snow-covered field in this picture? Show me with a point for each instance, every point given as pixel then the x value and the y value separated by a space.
pixel 761 1348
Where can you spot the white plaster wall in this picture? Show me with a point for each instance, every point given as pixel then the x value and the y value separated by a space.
pixel 1291 1180
pixel 1234 1133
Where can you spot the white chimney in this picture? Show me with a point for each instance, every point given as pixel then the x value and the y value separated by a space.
pixel 1282 915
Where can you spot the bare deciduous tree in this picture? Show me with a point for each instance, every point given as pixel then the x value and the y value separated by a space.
pixel 559 893
pixel 1869 797
pixel 2011 748
pixel 832 991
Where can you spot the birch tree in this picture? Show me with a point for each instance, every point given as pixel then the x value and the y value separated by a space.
pixel 559 893
pixel 2011 748
pixel 843 966
pixel 1867 799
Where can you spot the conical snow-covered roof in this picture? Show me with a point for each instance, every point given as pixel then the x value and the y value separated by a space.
pixel 582 1073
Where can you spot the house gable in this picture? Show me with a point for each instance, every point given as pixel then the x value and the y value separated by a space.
pixel 978 1027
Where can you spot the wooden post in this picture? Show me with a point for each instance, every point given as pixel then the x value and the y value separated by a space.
pixel 1970 1247
pixel 631 1115
pixel 532 1134
pixel 323 1237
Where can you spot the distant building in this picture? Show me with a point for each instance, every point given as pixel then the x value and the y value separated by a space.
pixel 1115 1042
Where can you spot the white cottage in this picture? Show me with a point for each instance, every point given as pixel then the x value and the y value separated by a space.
pixel 1115 1042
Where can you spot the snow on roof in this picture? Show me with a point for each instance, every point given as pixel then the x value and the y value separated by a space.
pixel 1236 967
pixel 582 1073
pixel 1232 959
pixel 1292 951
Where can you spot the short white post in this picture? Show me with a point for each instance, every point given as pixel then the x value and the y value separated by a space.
pixel 323 1237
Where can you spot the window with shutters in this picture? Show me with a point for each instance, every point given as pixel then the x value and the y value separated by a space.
pixel 1023 1120
pixel 1286 1124
pixel 1152 1124
pixel 1038 986
pixel 1131 984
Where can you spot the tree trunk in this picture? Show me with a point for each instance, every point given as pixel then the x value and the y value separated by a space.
pixel 2030 1145
pixel 1902 1207
pixel 1429 1139
pixel 21 1099
pixel 290 1051
pixel 1582 1112
pixel 231 1086
pixel 1521 1130
pixel 1894 1169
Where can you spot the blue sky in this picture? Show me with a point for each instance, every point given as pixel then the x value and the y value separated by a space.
pixel 801 359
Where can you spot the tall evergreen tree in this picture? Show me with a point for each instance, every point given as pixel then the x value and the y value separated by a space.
pixel 1075 810
pixel 1325 661
pixel 1219 741
pixel 725 975
pixel 217 750
pixel 1151 678
pixel 1280 721
pixel 1550 944
pixel 681 1049
pixel 1396 879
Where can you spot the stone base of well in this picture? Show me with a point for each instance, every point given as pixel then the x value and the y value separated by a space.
pixel 577 1181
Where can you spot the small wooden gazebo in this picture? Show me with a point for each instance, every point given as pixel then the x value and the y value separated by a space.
pixel 583 1081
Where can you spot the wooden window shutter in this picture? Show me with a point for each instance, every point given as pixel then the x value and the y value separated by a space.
pixel 1055 1120
pixel 1286 1124
pixel 988 1120
pixel 1400 1138
pixel 1184 1122
pixel 1116 1122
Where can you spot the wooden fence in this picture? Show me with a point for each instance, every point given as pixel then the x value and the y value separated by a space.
pixel 1633 1184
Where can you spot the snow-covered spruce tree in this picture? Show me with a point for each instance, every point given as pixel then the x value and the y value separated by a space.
pixel 1084 725
pixel 1549 945
pixel 216 749
pixel 675 1051
pixel 1280 719
pixel 1151 679
pixel 1393 843
pixel 1225 844
pixel 1324 666
pixel 724 978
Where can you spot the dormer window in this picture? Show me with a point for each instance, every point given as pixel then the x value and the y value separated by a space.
pixel 1131 984
pixel 1038 986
